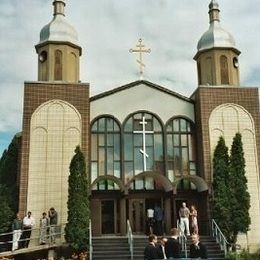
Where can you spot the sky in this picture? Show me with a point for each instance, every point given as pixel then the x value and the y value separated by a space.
pixel 107 29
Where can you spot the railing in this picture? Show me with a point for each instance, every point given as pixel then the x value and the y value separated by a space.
pixel 130 239
pixel 90 241
pixel 220 238
pixel 55 233
pixel 182 240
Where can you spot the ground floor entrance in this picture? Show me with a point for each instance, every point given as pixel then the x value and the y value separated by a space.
pixel 110 210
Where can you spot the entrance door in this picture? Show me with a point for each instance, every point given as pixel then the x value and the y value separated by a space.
pixel 108 217
pixel 177 206
pixel 137 215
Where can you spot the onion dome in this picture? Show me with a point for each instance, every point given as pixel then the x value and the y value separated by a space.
pixel 215 36
pixel 59 30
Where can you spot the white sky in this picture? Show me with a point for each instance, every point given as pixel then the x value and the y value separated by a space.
pixel 107 29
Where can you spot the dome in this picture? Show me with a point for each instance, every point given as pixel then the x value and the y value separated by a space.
pixel 59 30
pixel 215 36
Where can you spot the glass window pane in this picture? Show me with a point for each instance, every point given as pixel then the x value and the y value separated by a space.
pixel 129 125
pixel 110 161
pixel 176 140
pixel 170 175
pixel 158 147
pixel 184 140
pixel 149 140
pixel 94 126
pixel 188 126
pixel 169 146
pixel 139 184
pixel 149 183
pixel 110 139
pixel 169 127
pixel 183 125
pixel 101 125
pixel 176 125
pixel 128 171
pixel 156 125
pixel 116 127
pixel 128 144
pixel 138 162
pixel 117 169
pixel 184 158
pixel 149 125
pixel 102 185
pixel 110 124
pixel 116 147
pixel 93 171
pixel 110 185
pixel 101 161
pixel 93 147
pixel 137 125
pixel 177 161
pixel 138 140
pixel 147 116
pixel 138 116
pixel 191 148
pixel 101 140
pixel 149 159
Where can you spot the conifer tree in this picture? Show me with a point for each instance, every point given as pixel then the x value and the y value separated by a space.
pixel 240 198
pixel 220 200
pixel 76 230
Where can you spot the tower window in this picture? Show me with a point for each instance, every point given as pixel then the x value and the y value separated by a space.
pixel 58 65
pixel 224 70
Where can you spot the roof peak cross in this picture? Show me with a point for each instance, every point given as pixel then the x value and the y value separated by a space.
pixel 141 50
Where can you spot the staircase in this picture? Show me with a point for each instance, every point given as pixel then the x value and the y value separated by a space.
pixel 110 247
pixel 214 252
pixel 113 247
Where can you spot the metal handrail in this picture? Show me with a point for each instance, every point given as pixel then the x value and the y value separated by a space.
pixel 220 238
pixel 182 240
pixel 130 239
pixel 33 237
pixel 90 241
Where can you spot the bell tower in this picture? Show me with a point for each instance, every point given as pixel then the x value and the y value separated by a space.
pixel 217 55
pixel 58 49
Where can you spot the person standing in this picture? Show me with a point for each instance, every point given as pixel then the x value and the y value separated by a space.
pixel 151 250
pixel 158 217
pixel 161 248
pixel 172 246
pixel 28 223
pixel 17 231
pixel 194 220
pixel 150 220
pixel 184 214
pixel 53 216
pixel 197 249
pixel 44 226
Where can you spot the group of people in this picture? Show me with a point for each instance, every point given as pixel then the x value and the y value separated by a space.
pixel 170 248
pixel 22 228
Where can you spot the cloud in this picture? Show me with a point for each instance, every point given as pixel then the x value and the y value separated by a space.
pixel 107 29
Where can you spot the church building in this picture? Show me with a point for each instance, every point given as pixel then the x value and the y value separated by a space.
pixel 144 144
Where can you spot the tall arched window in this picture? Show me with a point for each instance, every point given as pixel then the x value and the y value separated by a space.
pixel 143 148
pixel 58 65
pixel 224 70
pixel 105 149
pixel 180 148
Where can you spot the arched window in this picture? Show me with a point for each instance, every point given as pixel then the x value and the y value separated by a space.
pixel 105 149
pixel 143 148
pixel 224 70
pixel 58 65
pixel 180 148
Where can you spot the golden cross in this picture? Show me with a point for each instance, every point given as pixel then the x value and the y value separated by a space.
pixel 141 50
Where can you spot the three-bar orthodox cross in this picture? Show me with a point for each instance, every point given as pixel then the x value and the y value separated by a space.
pixel 143 132
pixel 141 50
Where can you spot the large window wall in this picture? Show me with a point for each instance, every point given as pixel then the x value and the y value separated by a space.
pixel 105 151
pixel 138 146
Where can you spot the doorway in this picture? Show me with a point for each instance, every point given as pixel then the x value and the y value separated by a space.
pixel 137 215
pixel 107 217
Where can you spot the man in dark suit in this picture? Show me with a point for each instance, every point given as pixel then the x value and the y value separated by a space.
pixel 197 249
pixel 172 246
pixel 151 250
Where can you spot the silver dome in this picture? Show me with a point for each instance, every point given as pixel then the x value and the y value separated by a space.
pixel 215 36
pixel 59 30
